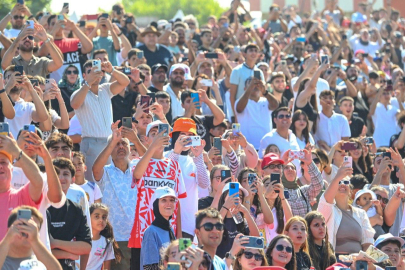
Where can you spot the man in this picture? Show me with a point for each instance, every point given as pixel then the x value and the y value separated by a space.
pixel 209 229
pixel 103 41
pixel 17 19
pixel 26 111
pixel 133 60
pixel 146 71
pixel 163 98
pixel 363 42
pixel 254 102
pixel 159 77
pixel 102 55
pixel 206 41
pixel 153 52
pixel 274 22
pixel 70 234
pixel 21 247
pixel 242 72
pixel 398 140
pixel 357 126
pixel 95 114
pixel 32 65
pixel 115 180
pixel 71 48
pixel 10 198
pixel 151 171
pixel 331 127
pixel 271 163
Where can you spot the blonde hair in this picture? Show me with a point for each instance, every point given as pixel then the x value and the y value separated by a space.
pixel 293 219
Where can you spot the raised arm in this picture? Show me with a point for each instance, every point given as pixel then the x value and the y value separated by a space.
pixel 78 97
pixel 57 59
pixel 244 99
pixel 310 89
pixel 121 82
pixel 330 192
pixel 376 99
pixel 87 44
pixel 7 106
pixel 219 115
pixel 10 53
pixel 390 210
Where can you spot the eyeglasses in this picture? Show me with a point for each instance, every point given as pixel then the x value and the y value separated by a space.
pixel 282 116
pixel 384 200
pixel 273 166
pixel 344 182
pixel 210 226
pixel 316 161
pixel 281 248
pixel 249 255
pixel 16 17
pixel 70 72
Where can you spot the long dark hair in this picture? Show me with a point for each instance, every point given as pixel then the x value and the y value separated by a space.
pixel 315 35
pixel 108 233
pixel 279 210
pixel 236 264
pixel 313 102
pixel 295 118
pixel 202 76
pixel 292 264
pixel 241 226
pixel 326 252
pixel 362 160
pixel 256 200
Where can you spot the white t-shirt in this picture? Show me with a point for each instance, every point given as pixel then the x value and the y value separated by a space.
pixel 175 102
pixel 77 195
pixel 11 33
pixel 385 124
pixel 302 143
pixel 320 86
pixel 23 116
pixel 99 254
pixel 268 231
pixel 331 130
pixel 92 191
pixel 255 120
pixel 371 48
pixel 74 127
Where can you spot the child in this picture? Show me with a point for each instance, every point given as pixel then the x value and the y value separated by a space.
pixel 367 200
pixel 91 189
pixel 104 247
pixel 173 47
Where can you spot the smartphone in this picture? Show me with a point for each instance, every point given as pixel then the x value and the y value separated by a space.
pixel 184 243
pixel 365 55
pixel 275 177
pixel 286 194
pixel 82 23
pixel 206 82
pixel 48 83
pixel 97 63
pixel 196 99
pixel 233 189
pixel 325 59
pixel 34 82
pixel 390 268
pixel 369 140
pixel 236 49
pixel 348 159
pixel 301 39
pixel 218 145
pixel 361 265
pixel 127 122
pixel 226 25
pixel 283 62
pixel 251 179
pixel 145 100
pixel 194 141
pixel 139 55
pixel 29 128
pixel 19 69
pixel 24 214
pixel 127 70
pixel 4 129
pixel 386 154
pixel 349 146
pixel 211 55
pixel 173 266
pixel 344 37
pixel 66 5
pixel 21 2
pixel 104 15
pixel 235 129
pixel 296 154
pixel 30 24
pixel 61 17
pixel 225 174
pixel 257 75
pixel 128 20
pixel 164 127
pixel 254 242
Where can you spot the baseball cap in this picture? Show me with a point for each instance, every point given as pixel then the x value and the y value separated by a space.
pixel 10 157
pixel 336 266
pixel 185 68
pixel 251 45
pixel 157 66
pixel 271 158
pixel 245 192
pixel 184 125
pixel 262 64
pixel 162 192
pixel 359 51
pixel 386 237
pixel 152 125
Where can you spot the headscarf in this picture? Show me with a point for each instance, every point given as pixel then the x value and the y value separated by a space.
pixel 161 222
pixel 289 184
pixel 64 83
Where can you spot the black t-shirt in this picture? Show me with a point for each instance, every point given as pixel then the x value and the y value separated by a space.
pixel 122 106
pixel 356 126
pixel 393 139
pixel 161 55
pixel 231 232
pixel 66 98
pixel 303 260
pixel 153 89
pixel 205 202
pixel 68 223
pixel 360 107
pixel 1 109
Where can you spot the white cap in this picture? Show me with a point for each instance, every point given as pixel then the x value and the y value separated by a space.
pixel 362 192
pixel 152 125
pixel 185 68
pixel 32 264
pixel 385 237
pixel 162 192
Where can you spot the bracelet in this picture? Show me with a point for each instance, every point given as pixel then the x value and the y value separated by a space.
pixel 113 69
pixel 19 156
pixel 139 83
pixel 119 34
pixel 87 84
pixel 247 202
pixel 47 40
pixel 2 91
pixel 225 208
pixel 30 17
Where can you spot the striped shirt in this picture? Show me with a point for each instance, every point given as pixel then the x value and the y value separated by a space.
pixel 95 114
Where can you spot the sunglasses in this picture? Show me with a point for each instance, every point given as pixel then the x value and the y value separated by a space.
pixel 29 37
pixel 273 166
pixel 282 116
pixel 281 248
pixel 316 161
pixel 210 226
pixel 70 72
pixel 344 182
pixel 384 200
pixel 16 17
pixel 249 255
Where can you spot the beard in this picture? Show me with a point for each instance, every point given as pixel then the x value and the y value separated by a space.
pixel 27 49
pixel 16 90
pixel 225 39
pixel 177 83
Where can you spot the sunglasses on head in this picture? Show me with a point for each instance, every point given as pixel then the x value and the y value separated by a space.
pixel 384 200
pixel 282 116
pixel 249 255
pixel 281 248
pixel 210 226
pixel 344 182
pixel 16 17
pixel 69 72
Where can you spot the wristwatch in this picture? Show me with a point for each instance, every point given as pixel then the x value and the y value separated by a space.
pixel 228 255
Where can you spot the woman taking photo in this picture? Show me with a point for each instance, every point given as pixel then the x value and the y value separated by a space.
pixel 300 127
pixel 200 84
pixel 320 249
pixel 281 253
pixel 349 228
pixel 359 162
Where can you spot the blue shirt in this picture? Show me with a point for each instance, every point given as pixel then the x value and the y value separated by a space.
pixel 153 240
pixel 219 263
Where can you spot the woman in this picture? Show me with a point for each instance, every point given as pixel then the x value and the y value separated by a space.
pixel 320 249
pixel 315 35
pixel 299 127
pixel 297 229
pixel 349 228
pixel 69 83
pixel 335 157
pixel 359 162
pixel 280 209
pixel 249 258
pixel 281 253
pixel 391 246
pixel 215 97
pixel 159 233
pixel 272 148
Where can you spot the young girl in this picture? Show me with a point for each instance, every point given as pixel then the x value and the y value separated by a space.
pixel 320 249
pixel 296 228
pixel 281 253
pixel 104 248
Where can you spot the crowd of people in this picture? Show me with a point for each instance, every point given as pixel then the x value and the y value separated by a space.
pixel 221 144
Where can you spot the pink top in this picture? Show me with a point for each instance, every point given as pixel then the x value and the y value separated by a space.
pixel 11 199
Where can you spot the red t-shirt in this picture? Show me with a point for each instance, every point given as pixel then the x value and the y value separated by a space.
pixel 160 172
pixel 11 199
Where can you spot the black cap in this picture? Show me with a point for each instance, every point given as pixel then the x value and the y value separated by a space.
pixel 157 66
